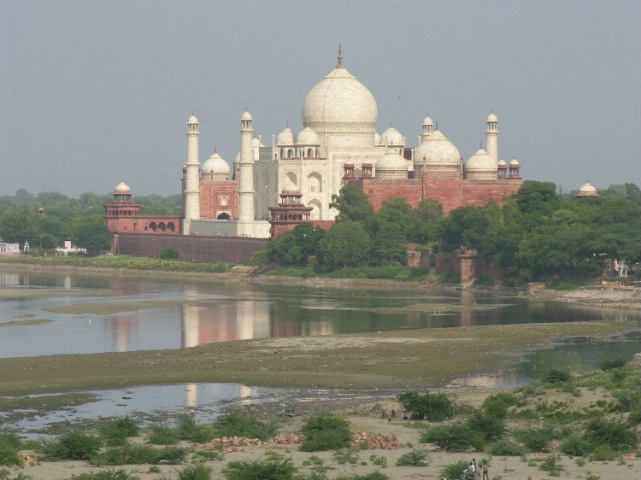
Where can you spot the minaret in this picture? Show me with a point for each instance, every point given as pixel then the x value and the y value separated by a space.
pixel 246 182
pixel 192 177
pixel 492 134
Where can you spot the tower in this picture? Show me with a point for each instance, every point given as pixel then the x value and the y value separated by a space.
pixel 192 177
pixel 492 133
pixel 246 183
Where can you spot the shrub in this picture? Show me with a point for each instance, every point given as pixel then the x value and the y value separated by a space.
pixel 325 432
pixel 551 466
pixel 453 438
pixel 169 254
pixel 489 426
pixel 116 432
pixel 611 363
pixel 535 439
pixel 434 407
pixel 163 434
pixel 617 435
pixel 496 405
pixel 106 475
pixel 9 448
pixel 378 460
pixel 71 446
pixel 196 472
pixel 453 471
pixel 415 458
pixel 507 448
pixel 188 429
pixel 556 376
pixel 346 457
pixel 276 467
pixel 234 424
pixel 139 455
pixel 368 476
pixel 576 445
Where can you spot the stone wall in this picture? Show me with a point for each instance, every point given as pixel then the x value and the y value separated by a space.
pixel 191 248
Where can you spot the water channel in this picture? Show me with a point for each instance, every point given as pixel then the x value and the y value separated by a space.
pixel 157 313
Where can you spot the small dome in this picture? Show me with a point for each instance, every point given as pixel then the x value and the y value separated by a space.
pixel 391 161
pixel 492 118
pixel 290 189
pixel 122 187
pixel 216 165
pixel 427 121
pixel 587 189
pixel 436 149
pixel 514 163
pixel 501 163
pixel 391 136
pixel 192 120
pixel 286 137
pixel 480 161
pixel 307 136
pixel 246 116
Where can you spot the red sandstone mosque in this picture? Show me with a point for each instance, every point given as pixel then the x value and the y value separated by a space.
pixel 271 189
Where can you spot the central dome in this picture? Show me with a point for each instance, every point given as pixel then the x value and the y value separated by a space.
pixel 340 105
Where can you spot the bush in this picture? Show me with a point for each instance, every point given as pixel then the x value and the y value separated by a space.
pixel 169 254
pixel 71 446
pixel 617 435
pixel 490 427
pixel 453 471
pixel 415 458
pixel 163 434
pixel 576 445
pixel 139 455
pixel 196 472
pixel 496 405
pixel 234 424
pixel 116 432
pixel 275 467
pixel 106 475
pixel 325 432
pixel 551 466
pixel 556 376
pixel 188 429
pixel 535 439
pixel 368 476
pixel 434 407
pixel 507 448
pixel 611 364
pixel 453 438
pixel 9 449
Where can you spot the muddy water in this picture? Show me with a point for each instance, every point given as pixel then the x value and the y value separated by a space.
pixel 152 313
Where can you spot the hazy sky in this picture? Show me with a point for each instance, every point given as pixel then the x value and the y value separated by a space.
pixel 97 92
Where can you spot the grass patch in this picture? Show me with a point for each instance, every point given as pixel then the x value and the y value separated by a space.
pixel 139 455
pixel 454 470
pixel 9 447
pixel 274 467
pixel 116 432
pixel 453 438
pixel 106 475
pixel 234 424
pixel 71 446
pixel 415 458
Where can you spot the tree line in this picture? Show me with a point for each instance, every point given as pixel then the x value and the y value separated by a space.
pixel 536 234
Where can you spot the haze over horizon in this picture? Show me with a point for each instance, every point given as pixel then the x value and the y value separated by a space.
pixel 94 93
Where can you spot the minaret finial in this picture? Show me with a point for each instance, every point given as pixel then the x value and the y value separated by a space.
pixel 436 125
pixel 340 57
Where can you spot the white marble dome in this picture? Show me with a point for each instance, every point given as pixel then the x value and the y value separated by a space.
pixel 391 161
pixel 122 187
pixel 391 136
pixel 514 163
pixel 192 120
pixel 286 137
pixel 492 118
pixel 587 190
pixel 501 163
pixel 246 116
pixel 216 165
pixel 436 149
pixel 307 136
pixel 339 99
pixel 481 161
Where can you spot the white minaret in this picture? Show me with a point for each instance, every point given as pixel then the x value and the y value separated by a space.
pixel 492 134
pixel 246 184
pixel 192 176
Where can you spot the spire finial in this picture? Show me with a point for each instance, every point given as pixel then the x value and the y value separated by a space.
pixel 340 57
pixel 436 125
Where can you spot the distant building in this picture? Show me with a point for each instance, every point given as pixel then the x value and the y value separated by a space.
pixel 587 190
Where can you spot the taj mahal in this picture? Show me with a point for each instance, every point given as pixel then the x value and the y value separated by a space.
pixel 270 189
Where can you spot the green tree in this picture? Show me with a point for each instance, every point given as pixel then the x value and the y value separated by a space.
pixel 539 198
pixel 92 234
pixel 346 244
pixel 353 206
pixel 297 246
